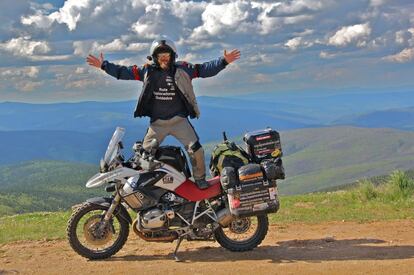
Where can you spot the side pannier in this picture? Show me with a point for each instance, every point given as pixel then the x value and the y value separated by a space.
pixel 253 195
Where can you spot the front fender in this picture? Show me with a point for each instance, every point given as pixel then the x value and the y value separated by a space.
pixel 106 202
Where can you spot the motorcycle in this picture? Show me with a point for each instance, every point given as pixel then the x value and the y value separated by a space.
pixel 157 186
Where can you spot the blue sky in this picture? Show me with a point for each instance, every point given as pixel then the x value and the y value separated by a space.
pixel 297 45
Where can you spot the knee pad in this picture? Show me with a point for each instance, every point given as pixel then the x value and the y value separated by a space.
pixel 194 147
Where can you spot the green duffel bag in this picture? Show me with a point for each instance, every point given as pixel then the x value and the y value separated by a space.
pixel 227 154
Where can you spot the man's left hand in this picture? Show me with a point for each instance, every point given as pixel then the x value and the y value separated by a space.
pixel 231 56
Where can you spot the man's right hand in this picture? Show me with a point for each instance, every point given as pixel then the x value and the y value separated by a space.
pixel 95 61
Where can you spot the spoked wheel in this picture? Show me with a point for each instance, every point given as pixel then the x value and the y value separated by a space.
pixel 243 233
pixel 91 237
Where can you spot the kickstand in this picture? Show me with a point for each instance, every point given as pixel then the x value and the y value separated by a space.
pixel 176 249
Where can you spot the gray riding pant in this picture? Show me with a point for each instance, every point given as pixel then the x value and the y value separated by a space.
pixel 183 131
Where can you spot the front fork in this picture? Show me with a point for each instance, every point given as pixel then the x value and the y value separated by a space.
pixel 110 212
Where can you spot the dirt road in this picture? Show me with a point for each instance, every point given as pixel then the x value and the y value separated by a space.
pixel 327 248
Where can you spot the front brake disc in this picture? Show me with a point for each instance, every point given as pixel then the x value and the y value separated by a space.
pixel 93 232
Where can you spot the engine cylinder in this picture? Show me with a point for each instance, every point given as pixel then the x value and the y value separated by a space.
pixel 152 219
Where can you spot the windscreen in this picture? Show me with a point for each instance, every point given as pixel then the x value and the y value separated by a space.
pixel 112 150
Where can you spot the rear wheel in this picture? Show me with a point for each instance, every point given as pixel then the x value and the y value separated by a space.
pixel 91 237
pixel 243 234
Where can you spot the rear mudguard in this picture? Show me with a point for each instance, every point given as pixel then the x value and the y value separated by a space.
pixel 106 202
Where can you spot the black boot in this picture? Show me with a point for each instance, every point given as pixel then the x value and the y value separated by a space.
pixel 202 183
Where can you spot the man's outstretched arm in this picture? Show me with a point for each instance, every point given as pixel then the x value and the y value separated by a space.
pixel 213 67
pixel 120 72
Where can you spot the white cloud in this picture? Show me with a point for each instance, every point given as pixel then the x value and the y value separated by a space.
pixel 23 46
pixel 80 70
pixel 305 32
pixel 262 29
pixel 39 19
pixel 28 86
pixel 401 57
pixel 299 7
pixel 351 34
pixel 326 55
pixel 400 37
pixel 33 50
pixel 137 47
pixel 294 43
pixel 192 57
pixel 24 72
pixel 234 17
pixel 82 83
pixel 50 57
pixel 115 45
pixel 298 42
pixel 83 48
pixel 262 78
pixel 23 79
pixel 376 3
pixel 405 37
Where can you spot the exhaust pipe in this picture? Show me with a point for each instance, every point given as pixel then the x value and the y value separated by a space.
pixel 224 217
pixel 147 238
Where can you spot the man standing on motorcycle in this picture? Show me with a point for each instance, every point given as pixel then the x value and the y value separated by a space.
pixel 168 97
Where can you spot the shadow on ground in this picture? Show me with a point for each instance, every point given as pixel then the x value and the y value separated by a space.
pixel 313 250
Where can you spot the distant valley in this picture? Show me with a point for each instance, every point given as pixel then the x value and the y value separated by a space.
pixel 80 131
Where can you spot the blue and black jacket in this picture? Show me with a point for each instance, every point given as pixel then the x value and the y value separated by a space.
pixel 183 74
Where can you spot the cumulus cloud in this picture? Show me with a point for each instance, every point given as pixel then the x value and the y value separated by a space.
pixel 33 50
pixel 83 48
pixel 294 8
pixel 376 3
pixel 80 70
pixel 82 83
pixel 28 86
pixel 23 79
pixel 351 34
pixel 50 57
pixel 23 46
pixel 30 72
pixel 326 55
pixel 405 37
pixel 401 57
pixel 252 18
pixel 262 78
pixel 218 18
pixel 70 14
pixel 263 30
pixel 298 42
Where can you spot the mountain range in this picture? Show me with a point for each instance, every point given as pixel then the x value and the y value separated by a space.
pixel 80 131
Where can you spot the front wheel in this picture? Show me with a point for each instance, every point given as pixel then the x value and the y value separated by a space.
pixel 91 237
pixel 243 234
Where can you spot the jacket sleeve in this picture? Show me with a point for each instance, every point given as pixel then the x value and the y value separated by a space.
pixel 124 72
pixel 206 69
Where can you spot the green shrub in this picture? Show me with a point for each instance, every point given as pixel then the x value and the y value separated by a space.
pixel 400 186
pixel 367 190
